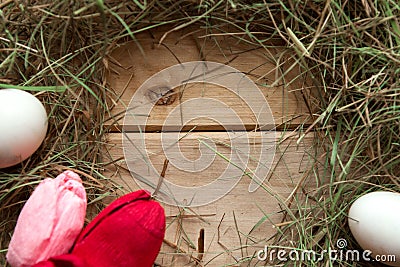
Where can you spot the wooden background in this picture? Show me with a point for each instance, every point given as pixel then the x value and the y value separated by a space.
pixel 241 223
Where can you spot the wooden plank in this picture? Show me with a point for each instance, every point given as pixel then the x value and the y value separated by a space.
pixel 240 223
pixel 237 225
pixel 129 65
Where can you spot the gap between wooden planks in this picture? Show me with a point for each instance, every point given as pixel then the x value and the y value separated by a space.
pixel 239 224
pixel 280 80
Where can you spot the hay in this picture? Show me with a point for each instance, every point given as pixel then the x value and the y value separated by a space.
pixel 352 49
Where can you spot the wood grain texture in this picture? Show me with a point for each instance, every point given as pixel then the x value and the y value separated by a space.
pixel 238 224
pixel 279 79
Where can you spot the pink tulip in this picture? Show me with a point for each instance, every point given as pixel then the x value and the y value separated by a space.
pixel 49 222
pixel 127 233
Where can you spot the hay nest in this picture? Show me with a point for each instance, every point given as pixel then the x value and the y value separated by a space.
pixel 56 48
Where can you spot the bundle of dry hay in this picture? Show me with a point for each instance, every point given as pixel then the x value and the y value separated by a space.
pixel 56 49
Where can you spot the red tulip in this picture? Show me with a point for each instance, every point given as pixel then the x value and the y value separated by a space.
pixel 49 222
pixel 127 233
pixel 65 260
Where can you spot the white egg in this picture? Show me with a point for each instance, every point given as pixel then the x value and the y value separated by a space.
pixel 23 126
pixel 374 221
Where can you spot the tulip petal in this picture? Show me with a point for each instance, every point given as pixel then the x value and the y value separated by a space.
pixel 129 232
pixel 49 222
pixel 65 260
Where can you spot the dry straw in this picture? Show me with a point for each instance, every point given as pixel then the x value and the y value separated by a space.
pixel 352 48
